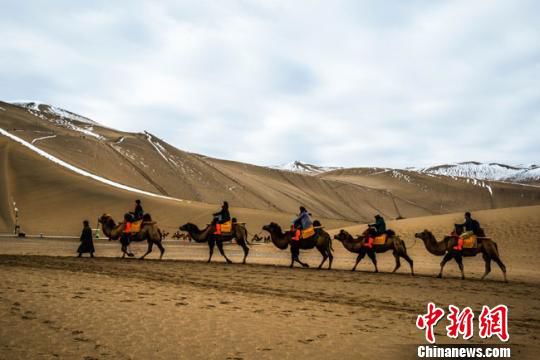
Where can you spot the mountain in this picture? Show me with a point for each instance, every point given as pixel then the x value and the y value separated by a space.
pixel 304 168
pixel 61 167
pixel 491 171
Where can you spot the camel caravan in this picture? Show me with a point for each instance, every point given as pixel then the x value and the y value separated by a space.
pixel 467 239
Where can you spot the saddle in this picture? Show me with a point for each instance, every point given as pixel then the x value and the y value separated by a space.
pixel 136 226
pixel 380 240
pixel 224 229
pixel 470 241
pixel 307 233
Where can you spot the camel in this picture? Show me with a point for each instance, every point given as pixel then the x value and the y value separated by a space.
pixel 239 233
pixel 445 248
pixel 149 232
pixel 323 243
pixel 356 245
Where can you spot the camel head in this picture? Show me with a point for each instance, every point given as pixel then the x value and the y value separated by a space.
pixel 190 228
pixel 425 235
pixel 106 219
pixel 342 236
pixel 273 228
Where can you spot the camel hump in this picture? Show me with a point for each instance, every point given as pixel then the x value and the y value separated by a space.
pixel 317 223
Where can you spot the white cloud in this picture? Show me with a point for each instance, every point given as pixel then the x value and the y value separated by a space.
pixel 337 83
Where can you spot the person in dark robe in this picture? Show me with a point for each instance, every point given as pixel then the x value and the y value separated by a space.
pixel 87 242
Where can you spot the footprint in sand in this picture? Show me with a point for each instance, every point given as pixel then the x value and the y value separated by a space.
pixel 181 304
pixel 307 341
pixel 76 332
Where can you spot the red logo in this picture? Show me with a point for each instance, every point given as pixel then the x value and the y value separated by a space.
pixel 460 322
pixel 494 322
pixel 429 320
pixel 491 322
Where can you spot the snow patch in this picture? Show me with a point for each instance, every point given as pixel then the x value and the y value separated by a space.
pixel 481 171
pixel 303 168
pixel 43 138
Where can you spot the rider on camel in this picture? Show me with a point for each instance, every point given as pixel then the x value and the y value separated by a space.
pixel 472 227
pixel 221 217
pixel 138 213
pixel 302 222
pixel 375 230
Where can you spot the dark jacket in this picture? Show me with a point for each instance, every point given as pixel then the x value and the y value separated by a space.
pixel 87 242
pixel 380 226
pixel 223 216
pixel 471 225
pixel 303 221
pixel 138 212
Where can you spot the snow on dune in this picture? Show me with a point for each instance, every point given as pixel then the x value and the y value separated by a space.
pixel 81 171
pixel 160 149
pixel 303 168
pixel 38 106
pixel 43 138
pixel 481 171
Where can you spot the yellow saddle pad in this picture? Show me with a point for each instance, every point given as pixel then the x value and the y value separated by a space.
pixel 226 227
pixel 380 240
pixel 309 232
pixel 470 242
pixel 136 226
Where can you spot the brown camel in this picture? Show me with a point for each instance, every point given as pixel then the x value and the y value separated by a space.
pixel 356 245
pixel 322 241
pixel 149 232
pixel 239 232
pixel 445 248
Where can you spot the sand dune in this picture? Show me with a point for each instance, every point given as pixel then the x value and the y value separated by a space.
pixel 145 162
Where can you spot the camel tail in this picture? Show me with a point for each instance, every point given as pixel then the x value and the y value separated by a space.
pixel 330 247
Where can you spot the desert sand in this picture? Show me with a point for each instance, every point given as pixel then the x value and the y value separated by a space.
pixel 58 306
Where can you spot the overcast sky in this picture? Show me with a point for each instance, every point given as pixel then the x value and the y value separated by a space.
pixel 347 83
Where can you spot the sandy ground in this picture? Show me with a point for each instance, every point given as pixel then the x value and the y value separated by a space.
pixel 54 305
pixel 107 308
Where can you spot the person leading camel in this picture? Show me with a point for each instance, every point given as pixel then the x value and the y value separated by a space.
pixel 87 242
pixel 125 239
pixel 472 227
pixel 221 217
pixel 375 230
pixel 303 221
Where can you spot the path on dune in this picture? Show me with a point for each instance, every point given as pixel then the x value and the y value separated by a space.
pixel 135 309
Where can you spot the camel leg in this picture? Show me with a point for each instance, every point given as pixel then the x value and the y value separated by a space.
pixel 398 263
pixel 324 255
pixel 242 243
pixel 150 246
pixel 487 260
pixel 409 260
pixel 211 244
pixel 502 266
pixel 372 256
pixel 459 260
pixel 295 251
pixel 161 249
pixel 220 248
pixel 330 258
pixel 360 256
pixel 446 259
